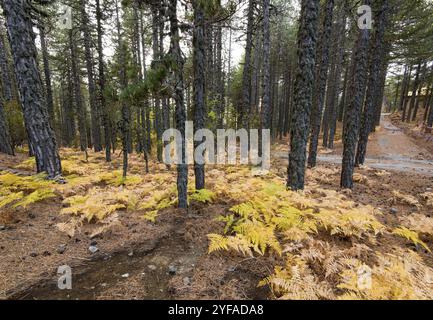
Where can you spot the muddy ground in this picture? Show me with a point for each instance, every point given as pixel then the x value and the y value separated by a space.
pixel 168 259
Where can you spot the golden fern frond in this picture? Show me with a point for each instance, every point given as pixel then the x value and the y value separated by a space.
pixel 411 236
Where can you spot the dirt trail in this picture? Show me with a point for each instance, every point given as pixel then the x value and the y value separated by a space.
pixel 389 148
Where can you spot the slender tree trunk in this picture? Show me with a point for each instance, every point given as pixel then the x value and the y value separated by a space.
pixel 123 84
pixel 102 80
pixel 77 93
pixel 418 96
pixel 303 93
pixel 47 74
pixel 414 93
pixel 24 52
pixel 4 69
pixel 404 93
pixel 182 169
pixel 377 55
pixel 353 109
pixel 266 104
pixel 199 84
pixel 5 139
pixel 330 123
pixel 95 127
pixel 246 77
pixel 156 62
pixel 321 78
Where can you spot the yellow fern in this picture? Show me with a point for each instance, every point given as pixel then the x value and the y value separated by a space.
pixel 411 236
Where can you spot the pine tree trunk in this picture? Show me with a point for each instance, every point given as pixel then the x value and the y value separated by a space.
pixel 125 122
pixel 95 127
pixel 5 139
pixel 6 80
pixel 102 80
pixel 47 74
pixel 24 52
pixel 376 53
pixel 353 109
pixel 404 93
pixel 246 77
pixel 78 98
pixel 320 86
pixel 199 84
pixel 414 93
pixel 303 93
pixel 156 61
pixel 182 169
pixel 266 103
pixel 420 87
pixel 330 123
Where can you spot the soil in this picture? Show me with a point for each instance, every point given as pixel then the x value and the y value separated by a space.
pixel 168 259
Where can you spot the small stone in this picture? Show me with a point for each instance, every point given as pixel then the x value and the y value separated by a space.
pixel 186 281
pixel 152 267
pixel 394 211
pixel 2 228
pixel 231 269
pixel 428 189
pixel 131 254
pixel 172 270
pixel 126 275
pixel 103 284
pixel 46 254
pixel 33 254
pixel 61 249
pixel 93 249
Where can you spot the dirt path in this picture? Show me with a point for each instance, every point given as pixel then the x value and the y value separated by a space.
pixel 390 149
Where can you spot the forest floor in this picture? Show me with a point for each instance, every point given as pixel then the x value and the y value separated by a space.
pixel 158 252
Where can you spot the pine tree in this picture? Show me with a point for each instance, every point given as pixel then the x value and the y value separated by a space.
pixel 353 109
pixel 24 52
pixel 303 91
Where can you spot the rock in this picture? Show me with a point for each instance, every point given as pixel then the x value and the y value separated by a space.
pixel 131 254
pixel 2 228
pixel 103 285
pixel 394 211
pixel 126 275
pixel 231 269
pixel 61 249
pixel 186 281
pixel 46 254
pixel 93 249
pixel 152 267
pixel 428 189
pixel 172 270
pixel 33 254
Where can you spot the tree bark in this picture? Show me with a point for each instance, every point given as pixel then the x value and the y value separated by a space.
pixel 376 53
pixel 102 81
pixel 94 114
pixel 246 77
pixel 353 109
pixel 24 52
pixel 47 74
pixel 321 78
pixel 199 59
pixel 182 169
pixel 303 93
